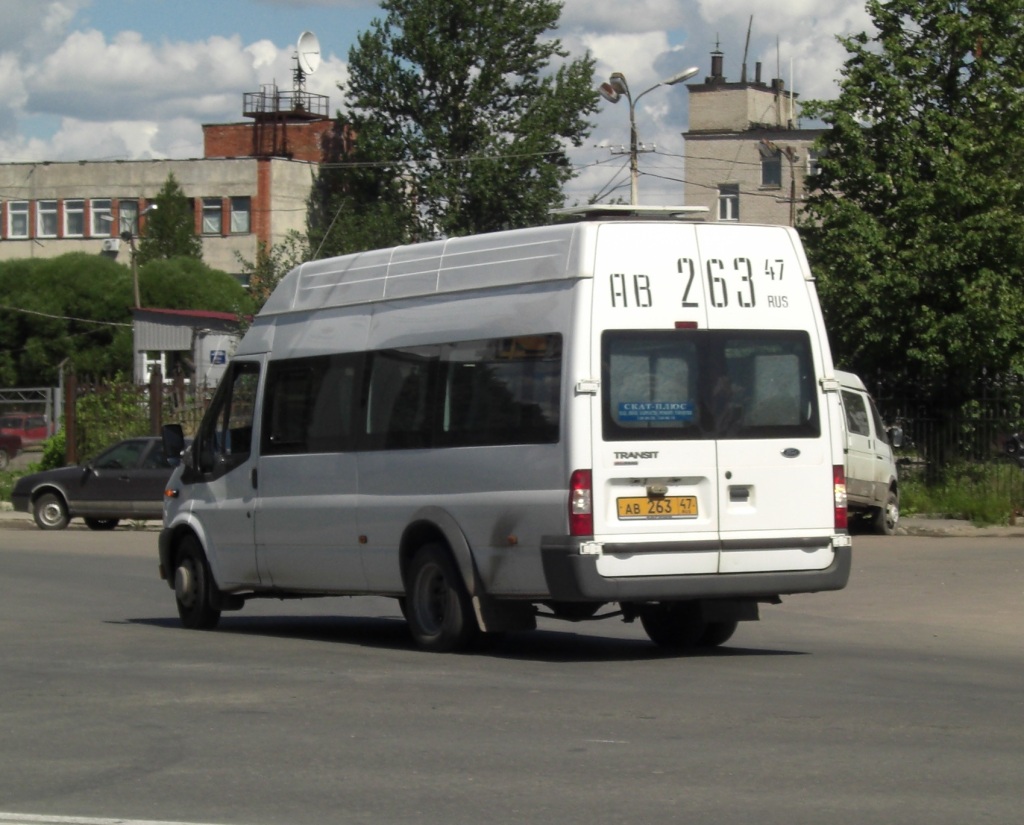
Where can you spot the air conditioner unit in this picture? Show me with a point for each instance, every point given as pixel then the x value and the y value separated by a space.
pixel 111 244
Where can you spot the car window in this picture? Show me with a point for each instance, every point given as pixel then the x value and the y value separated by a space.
pixel 123 456
pixel 856 413
pixel 155 457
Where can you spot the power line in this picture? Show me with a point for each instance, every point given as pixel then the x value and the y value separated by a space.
pixel 65 317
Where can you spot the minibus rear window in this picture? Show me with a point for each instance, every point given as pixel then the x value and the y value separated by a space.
pixel 701 384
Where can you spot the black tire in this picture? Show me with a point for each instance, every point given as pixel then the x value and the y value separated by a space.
pixel 674 625
pixel 717 633
pixel 438 607
pixel 50 512
pixel 887 518
pixel 101 523
pixel 194 590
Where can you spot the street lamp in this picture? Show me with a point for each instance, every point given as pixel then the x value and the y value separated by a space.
pixel 613 91
pixel 129 236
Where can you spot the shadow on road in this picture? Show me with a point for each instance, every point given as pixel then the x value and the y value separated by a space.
pixel 541 645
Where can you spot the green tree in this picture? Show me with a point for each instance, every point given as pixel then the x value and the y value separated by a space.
pixel 915 225
pixel 76 308
pixel 271 264
pixel 462 109
pixel 170 229
pixel 357 204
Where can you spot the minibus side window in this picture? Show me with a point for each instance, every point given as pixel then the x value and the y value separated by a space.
pixel 399 402
pixel 225 438
pixel 502 391
pixel 308 405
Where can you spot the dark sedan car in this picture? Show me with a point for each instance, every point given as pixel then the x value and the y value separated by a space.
pixel 126 481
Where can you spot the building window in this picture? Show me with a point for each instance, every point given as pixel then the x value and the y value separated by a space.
pixel 101 218
pixel 813 163
pixel 212 216
pixel 771 168
pixel 729 202
pixel 74 218
pixel 128 217
pixel 46 219
pixel 17 219
pixel 240 211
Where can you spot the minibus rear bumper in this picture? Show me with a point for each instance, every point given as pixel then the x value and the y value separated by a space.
pixel 572 576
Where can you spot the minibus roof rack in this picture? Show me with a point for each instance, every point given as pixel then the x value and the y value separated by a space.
pixel 607 211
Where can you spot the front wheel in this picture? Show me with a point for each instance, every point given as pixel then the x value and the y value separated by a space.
pixel 674 625
pixel 438 606
pixel 193 586
pixel 50 512
pixel 887 518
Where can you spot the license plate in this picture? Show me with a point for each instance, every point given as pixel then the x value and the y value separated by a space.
pixel 641 507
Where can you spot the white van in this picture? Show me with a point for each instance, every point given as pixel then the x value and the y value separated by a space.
pixel 633 412
pixel 872 485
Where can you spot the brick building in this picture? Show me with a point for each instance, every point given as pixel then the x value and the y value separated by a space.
pixel 251 185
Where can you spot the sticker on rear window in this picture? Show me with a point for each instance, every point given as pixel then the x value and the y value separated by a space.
pixel 655 411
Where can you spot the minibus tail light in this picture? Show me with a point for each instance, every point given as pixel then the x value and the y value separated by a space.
pixel 839 494
pixel 581 514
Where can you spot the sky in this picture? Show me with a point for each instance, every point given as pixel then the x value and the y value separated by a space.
pixel 136 79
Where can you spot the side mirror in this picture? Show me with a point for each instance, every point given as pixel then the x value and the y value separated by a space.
pixel 174 443
pixel 896 436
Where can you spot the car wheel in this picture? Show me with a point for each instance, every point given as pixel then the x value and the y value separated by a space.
pixel 674 625
pixel 887 518
pixel 50 512
pixel 438 606
pixel 717 633
pixel 193 586
pixel 101 523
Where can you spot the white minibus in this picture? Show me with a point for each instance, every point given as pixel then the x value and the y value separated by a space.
pixel 630 412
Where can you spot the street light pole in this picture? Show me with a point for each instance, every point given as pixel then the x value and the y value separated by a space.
pixel 613 91
pixel 129 235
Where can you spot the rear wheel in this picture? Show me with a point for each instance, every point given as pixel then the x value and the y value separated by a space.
pixel 438 606
pixel 193 586
pixel 101 523
pixel 674 625
pixel 50 512
pixel 887 518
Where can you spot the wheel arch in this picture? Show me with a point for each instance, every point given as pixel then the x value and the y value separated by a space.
pixel 432 524
pixel 170 538
pixel 57 490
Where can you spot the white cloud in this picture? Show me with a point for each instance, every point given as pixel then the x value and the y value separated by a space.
pixel 115 93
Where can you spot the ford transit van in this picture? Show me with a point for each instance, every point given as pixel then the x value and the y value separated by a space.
pixel 631 412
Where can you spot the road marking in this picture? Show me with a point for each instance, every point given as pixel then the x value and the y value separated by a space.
pixel 36 819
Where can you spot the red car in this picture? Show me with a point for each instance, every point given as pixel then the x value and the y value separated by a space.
pixel 10 447
pixel 31 428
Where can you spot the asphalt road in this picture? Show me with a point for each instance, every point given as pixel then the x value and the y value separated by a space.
pixel 898 700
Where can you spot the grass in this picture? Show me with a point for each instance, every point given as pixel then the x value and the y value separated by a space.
pixel 983 493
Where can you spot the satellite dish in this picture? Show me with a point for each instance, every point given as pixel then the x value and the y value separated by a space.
pixel 308 53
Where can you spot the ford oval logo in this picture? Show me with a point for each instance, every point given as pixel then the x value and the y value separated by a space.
pixel 790 452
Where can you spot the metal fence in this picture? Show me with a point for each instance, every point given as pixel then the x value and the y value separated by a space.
pixel 98 412
pixel 979 446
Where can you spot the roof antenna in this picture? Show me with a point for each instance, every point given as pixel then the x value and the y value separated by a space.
pixel 746 48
